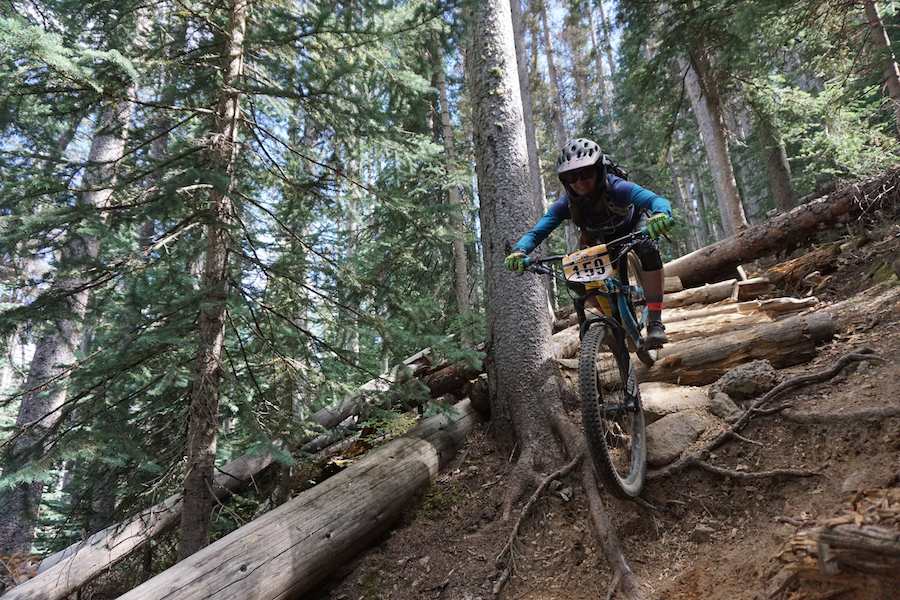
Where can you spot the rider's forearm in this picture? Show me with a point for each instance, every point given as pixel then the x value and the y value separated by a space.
pixel 538 233
pixel 645 199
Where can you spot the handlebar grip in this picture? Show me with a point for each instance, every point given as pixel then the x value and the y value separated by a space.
pixel 528 261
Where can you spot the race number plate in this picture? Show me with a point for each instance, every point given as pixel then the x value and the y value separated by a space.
pixel 590 264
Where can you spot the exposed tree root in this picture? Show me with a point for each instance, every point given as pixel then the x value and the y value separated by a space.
pixel 508 550
pixel 624 581
pixel 751 474
pixel 863 414
pixel 623 576
pixel 759 407
pixel 522 478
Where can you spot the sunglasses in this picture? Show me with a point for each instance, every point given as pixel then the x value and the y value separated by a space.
pixel 571 177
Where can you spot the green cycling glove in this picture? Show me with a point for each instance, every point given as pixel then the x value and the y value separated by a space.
pixel 515 262
pixel 659 224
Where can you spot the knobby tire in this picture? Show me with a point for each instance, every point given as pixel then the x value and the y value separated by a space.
pixel 601 427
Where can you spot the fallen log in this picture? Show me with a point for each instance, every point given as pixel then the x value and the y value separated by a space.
pixel 751 288
pixel 706 325
pixel 863 541
pixel 686 324
pixel 65 571
pixel 287 551
pixel 704 294
pixel 701 361
pixel 773 307
pixel 719 260
pixel 789 273
pixel 451 378
pixel 565 343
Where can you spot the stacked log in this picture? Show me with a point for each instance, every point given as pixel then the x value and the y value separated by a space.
pixel 700 361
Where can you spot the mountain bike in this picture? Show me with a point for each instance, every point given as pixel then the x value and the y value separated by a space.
pixel 612 416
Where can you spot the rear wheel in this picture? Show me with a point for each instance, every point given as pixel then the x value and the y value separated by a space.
pixel 612 417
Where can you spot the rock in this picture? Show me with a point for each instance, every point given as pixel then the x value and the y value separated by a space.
pixel 671 435
pixel 702 533
pixel 722 406
pixel 661 399
pixel 747 381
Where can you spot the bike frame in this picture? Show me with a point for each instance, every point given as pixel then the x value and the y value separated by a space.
pixel 625 325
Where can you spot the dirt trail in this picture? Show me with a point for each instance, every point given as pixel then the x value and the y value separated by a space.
pixel 714 538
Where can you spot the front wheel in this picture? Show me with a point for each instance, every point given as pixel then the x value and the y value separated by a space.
pixel 612 416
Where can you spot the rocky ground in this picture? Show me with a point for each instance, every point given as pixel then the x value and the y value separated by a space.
pixel 709 536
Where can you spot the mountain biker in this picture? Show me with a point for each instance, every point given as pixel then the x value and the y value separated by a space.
pixel 605 207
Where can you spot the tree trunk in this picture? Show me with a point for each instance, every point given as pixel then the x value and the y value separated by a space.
pixel 601 71
pixel 39 411
pixel 556 101
pixel 607 36
pixel 204 411
pixel 520 372
pixel 703 93
pixel 556 108
pixel 778 168
pixel 709 227
pixel 460 264
pixel 719 260
pixel 883 44
pixel 683 203
pixel 534 160
pixel 290 549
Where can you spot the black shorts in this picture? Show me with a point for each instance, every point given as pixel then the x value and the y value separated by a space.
pixel 646 250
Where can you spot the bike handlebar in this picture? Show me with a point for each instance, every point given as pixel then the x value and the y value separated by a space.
pixel 536 265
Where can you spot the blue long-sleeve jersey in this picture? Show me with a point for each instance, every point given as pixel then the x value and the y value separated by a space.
pixel 621 193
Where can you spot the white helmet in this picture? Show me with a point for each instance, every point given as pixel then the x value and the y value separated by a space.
pixel 578 153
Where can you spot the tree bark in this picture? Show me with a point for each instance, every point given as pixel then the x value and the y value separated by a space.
pixel 534 160
pixel 719 260
pixel 607 36
pixel 601 71
pixel 703 94
pixel 777 166
pixel 56 349
pixel 204 411
pixel 460 264
pixel 290 549
pixel 520 368
pixel 883 43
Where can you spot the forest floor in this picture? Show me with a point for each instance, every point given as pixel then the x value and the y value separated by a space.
pixel 714 538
